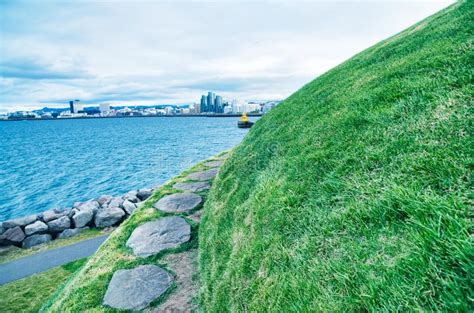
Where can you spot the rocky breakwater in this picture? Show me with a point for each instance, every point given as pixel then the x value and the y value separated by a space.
pixel 53 224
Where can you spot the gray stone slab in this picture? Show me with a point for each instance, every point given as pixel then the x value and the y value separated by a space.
pixel 164 233
pixel 193 187
pixel 217 163
pixel 178 202
pixel 204 175
pixel 135 289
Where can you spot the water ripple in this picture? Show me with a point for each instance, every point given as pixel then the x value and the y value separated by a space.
pixel 46 164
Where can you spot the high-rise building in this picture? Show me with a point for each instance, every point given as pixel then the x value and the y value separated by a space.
pixel 218 105
pixel 76 106
pixel 203 103
pixel 210 101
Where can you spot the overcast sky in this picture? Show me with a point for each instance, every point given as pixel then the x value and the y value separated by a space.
pixel 154 52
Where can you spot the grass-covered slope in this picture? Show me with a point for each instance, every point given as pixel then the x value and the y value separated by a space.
pixel 353 194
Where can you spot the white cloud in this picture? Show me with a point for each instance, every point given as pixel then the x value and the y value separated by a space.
pixel 171 52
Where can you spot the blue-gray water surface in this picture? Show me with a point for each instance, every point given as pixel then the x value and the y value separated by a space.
pixel 52 164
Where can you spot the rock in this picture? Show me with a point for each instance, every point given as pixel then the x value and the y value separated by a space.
pixel 129 207
pixel 82 218
pixel 178 202
pixel 217 163
pixel 71 212
pixel 36 227
pixel 116 202
pixel 70 232
pixel 104 199
pixel 36 240
pixel 204 175
pixel 58 225
pixel 135 289
pixel 131 196
pixel 22 221
pixel 91 205
pixel 12 236
pixel 144 194
pixel 193 187
pixel 55 214
pixel 2 230
pixel 76 205
pixel 153 237
pixel 108 217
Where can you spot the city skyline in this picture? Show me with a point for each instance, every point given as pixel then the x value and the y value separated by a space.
pixel 210 104
pixel 157 52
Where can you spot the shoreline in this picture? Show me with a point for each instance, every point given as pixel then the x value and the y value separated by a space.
pixel 133 116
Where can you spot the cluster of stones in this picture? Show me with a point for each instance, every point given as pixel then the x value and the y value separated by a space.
pixel 106 211
pixel 135 289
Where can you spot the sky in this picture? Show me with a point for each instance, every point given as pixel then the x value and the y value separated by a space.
pixel 160 52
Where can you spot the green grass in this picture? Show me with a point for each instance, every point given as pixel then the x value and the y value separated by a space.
pixel 354 193
pixel 29 294
pixel 86 289
pixel 20 253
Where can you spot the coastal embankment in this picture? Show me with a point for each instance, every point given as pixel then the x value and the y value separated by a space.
pixel 150 260
pixel 36 229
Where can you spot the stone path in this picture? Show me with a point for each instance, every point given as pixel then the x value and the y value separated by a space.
pixel 153 237
pixel 204 175
pixel 46 260
pixel 178 202
pixel 192 187
pixel 184 264
pixel 214 163
pixel 135 289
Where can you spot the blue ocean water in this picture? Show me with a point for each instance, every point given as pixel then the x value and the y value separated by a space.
pixel 48 164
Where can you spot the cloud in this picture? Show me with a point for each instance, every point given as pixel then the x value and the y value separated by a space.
pixel 172 52
pixel 30 69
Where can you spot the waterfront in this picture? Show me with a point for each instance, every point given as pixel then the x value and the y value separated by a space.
pixel 55 163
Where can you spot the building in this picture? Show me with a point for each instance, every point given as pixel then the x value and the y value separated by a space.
pixel 218 108
pixel 104 108
pixel 203 106
pixel 236 106
pixel 76 106
pixel 210 101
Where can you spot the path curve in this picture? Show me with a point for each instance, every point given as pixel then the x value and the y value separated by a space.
pixel 46 260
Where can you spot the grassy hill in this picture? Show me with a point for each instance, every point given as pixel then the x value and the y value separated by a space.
pixel 353 194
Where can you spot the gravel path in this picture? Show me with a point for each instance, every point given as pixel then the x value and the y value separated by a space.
pixel 46 260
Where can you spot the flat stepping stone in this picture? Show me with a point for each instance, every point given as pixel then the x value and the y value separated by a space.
pixel 193 187
pixel 135 289
pixel 178 202
pixel 204 175
pixel 153 237
pixel 217 163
